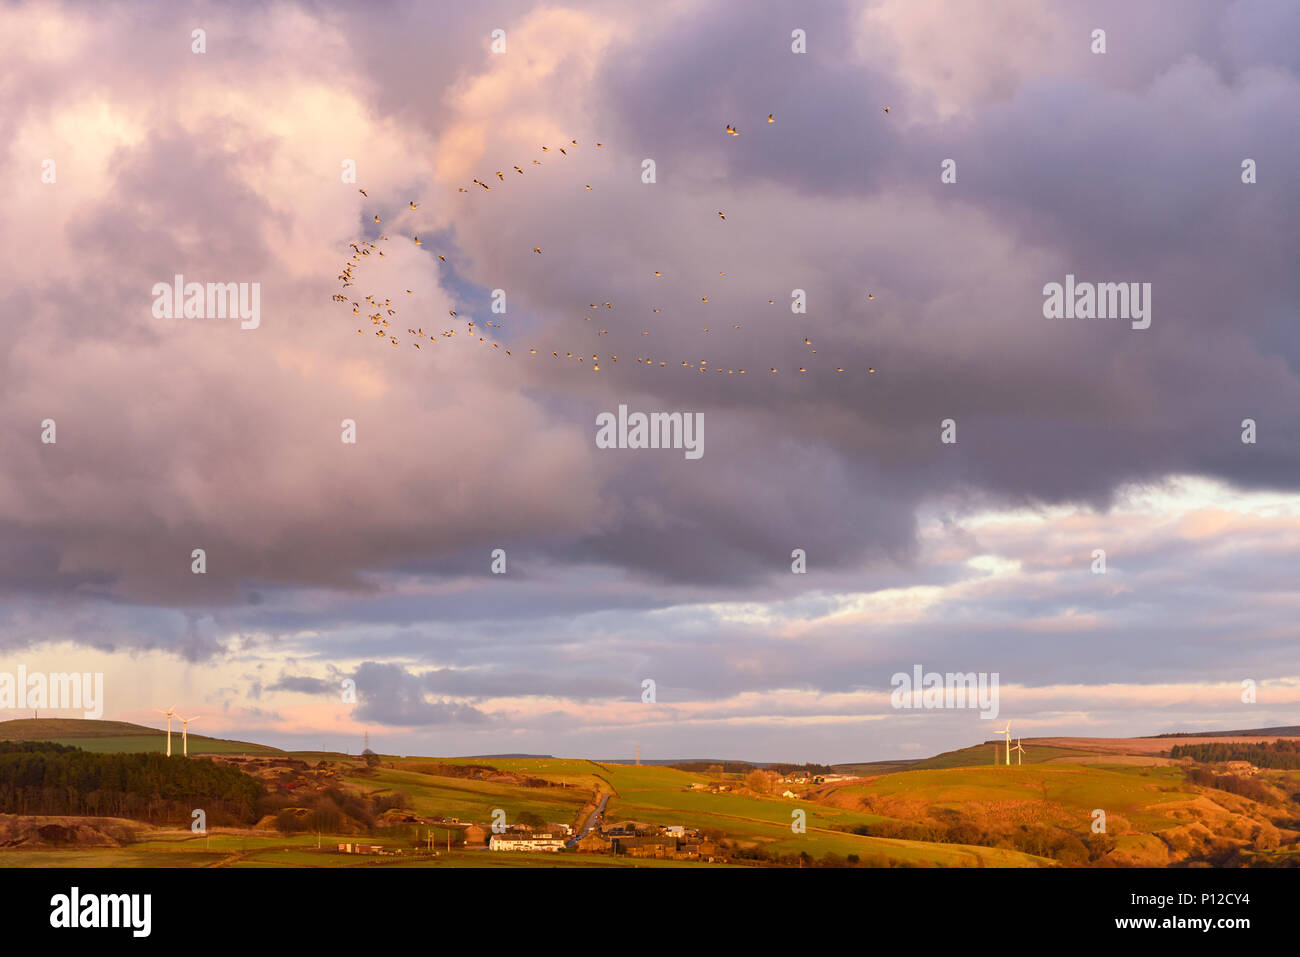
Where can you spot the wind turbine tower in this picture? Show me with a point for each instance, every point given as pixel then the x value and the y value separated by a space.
pixel 169 712
pixel 185 742
pixel 1007 732
pixel 1019 751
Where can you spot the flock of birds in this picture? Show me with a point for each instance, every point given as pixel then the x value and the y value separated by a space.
pixel 384 314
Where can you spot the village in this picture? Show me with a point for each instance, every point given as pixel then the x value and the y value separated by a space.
pixel 624 838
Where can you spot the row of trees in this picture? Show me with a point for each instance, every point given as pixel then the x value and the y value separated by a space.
pixel 1281 754
pixel 46 778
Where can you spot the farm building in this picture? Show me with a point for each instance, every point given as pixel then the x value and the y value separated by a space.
pixel 593 843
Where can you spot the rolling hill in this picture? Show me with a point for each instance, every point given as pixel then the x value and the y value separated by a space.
pixel 119 736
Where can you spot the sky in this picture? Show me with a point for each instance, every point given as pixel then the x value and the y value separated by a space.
pixel 917 243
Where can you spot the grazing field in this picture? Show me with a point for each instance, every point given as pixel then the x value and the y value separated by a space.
pixel 574 772
pixel 474 800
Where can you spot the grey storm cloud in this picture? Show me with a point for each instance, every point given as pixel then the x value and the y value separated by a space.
pixel 392 695
pixel 304 684
pixel 171 437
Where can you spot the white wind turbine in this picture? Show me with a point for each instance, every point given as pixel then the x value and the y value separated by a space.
pixel 1007 732
pixel 185 724
pixel 1019 751
pixel 169 712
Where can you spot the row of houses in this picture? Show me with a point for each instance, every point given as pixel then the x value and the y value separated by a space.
pixel 799 777
pixel 524 841
pixel 634 839
pixel 521 837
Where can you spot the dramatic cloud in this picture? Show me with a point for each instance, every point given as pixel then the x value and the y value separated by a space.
pixel 327 560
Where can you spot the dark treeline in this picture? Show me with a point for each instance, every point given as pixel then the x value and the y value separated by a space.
pixel 1277 754
pixel 46 778
pixel 713 767
pixel 794 768
pixel 29 747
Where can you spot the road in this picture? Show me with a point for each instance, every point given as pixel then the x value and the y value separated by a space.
pixel 592 822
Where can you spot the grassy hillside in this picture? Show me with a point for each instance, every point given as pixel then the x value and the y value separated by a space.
pixel 663 796
pixel 981 755
pixel 473 800
pixel 119 736
pixel 1154 815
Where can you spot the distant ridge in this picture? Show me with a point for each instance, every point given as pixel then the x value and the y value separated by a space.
pixel 1286 731
pixel 484 757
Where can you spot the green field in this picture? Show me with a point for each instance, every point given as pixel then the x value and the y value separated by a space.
pixel 474 801
pixel 575 772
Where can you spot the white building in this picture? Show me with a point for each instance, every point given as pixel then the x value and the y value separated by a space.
pixel 526 842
